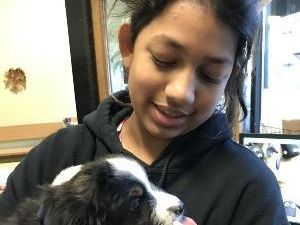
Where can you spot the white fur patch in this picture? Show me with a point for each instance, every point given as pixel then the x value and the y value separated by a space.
pixel 124 165
pixel 66 175
pixel 164 202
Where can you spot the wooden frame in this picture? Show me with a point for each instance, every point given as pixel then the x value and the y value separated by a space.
pixel 98 18
pixel 23 133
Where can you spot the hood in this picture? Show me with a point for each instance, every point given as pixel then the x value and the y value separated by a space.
pixel 180 153
pixel 103 122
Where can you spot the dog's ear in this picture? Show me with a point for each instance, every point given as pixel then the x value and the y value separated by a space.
pixel 99 176
pixel 81 197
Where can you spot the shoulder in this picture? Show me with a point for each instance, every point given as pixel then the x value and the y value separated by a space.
pixel 73 135
pixel 255 178
pixel 246 164
pixel 259 190
pixel 74 141
pixel 240 153
pixel 66 147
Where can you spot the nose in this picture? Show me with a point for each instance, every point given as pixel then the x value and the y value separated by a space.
pixel 181 88
pixel 177 210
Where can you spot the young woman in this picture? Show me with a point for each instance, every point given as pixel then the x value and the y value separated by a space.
pixel 181 57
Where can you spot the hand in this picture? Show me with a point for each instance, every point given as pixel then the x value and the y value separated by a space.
pixel 185 221
pixel 188 221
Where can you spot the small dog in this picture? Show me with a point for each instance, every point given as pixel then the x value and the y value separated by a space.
pixel 111 191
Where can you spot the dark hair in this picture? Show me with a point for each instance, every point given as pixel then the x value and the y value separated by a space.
pixel 239 15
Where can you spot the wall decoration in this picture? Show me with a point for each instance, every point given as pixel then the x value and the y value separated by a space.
pixel 15 80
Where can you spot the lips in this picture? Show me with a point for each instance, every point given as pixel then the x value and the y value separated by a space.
pixel 169 117
pixel 170 112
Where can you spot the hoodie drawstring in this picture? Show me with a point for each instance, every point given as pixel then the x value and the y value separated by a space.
pixel 163 175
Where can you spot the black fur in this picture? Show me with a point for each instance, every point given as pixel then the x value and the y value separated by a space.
pixel 94 196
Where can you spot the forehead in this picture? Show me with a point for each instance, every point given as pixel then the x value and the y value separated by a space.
pixel 193 28
pixel 123 166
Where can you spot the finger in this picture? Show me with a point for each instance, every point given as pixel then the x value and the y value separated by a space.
pixel 188 221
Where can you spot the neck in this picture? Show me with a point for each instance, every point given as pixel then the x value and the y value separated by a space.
pixel 137 140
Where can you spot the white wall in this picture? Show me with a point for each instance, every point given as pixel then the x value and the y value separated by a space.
pixel 34 37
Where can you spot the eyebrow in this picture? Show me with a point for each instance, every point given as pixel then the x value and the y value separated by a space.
pixel 169 41
pixel 177 46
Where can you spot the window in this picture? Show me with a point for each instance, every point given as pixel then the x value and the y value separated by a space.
pixel 280 83
pixel 114 18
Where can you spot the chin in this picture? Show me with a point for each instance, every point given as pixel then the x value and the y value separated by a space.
pixel 166 133
pixel 111 191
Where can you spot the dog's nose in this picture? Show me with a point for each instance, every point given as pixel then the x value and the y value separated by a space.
pixel 178 209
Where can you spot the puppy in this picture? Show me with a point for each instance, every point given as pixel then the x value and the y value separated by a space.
pixel 111 191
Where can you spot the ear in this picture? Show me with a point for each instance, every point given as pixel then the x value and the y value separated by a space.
pixel 125 45
pixel 100 177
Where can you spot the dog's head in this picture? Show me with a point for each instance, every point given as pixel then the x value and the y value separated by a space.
pixel 111 191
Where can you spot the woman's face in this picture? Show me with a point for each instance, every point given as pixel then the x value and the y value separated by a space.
pixel 178 69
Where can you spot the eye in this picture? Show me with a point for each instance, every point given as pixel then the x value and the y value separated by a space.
pixel 208 78
pixel 136 191
pixel 163 63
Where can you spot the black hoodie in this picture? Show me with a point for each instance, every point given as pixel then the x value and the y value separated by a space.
pixel 219 181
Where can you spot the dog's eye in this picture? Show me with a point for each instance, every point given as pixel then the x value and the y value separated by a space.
pixel 136 191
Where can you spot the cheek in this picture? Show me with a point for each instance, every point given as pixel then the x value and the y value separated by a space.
pixel 138 86
pixel 208 98
pixel 139 89
pixel 143 78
